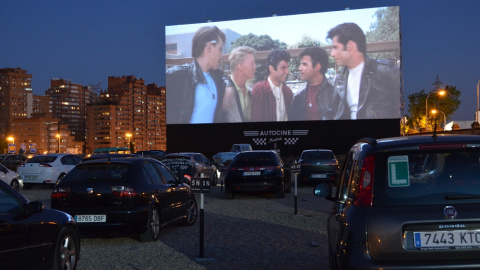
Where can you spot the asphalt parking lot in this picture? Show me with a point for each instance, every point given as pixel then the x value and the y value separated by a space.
pixel 248 232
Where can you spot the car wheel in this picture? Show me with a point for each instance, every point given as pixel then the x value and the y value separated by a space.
pixel 60 177
pixel 27 186
pixel 281 191
pixel 153 227
pixel 192 212
pixel 15 185
pixel 67 250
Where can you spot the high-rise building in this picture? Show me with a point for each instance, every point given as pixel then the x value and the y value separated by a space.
pixel 15 86
pixel 67 102
pixel 128 106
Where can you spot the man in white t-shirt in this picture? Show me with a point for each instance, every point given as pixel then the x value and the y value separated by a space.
pixel 365 88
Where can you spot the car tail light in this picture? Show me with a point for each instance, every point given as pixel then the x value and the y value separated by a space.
pixel 22 164
pixel 365 185
pixel 123 191
pixel 46 165
pixel 60 193
pixel 442 146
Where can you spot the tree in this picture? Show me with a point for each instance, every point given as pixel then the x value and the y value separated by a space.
pixel 259 43
pixel 447 104
pixel 385 28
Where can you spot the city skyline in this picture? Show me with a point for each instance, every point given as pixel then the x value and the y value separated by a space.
pixel 89 41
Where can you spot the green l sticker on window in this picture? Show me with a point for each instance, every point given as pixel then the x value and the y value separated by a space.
pixel 398 171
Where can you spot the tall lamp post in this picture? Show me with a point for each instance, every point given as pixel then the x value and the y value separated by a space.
pixel 434 111
pixel 129 135
pixel 58 136
pixel 440 93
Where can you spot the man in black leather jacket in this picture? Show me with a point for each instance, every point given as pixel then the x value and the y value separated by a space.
pixel 365 88
pixel 314 102
pixel 195 90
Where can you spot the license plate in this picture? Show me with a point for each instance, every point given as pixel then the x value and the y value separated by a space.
pixel 446 239
pixel 251 173
pixel 90 218
pixel 321 175
pixel 29 177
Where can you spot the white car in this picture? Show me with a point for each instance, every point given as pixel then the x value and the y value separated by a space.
pixel 47 169
pixel 11 178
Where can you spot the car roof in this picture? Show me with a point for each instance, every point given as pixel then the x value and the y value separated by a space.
pixel 414 141
pixel 129 160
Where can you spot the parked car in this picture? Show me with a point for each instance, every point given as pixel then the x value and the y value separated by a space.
pixel 101 156
pixel 11 178
pixel 32 237
pixel 318 165
pixel 201 164
pixel 47 169
pixel 123 196
pixel 240 147
pixel 257 171
pixel 386 217
pixel 13 161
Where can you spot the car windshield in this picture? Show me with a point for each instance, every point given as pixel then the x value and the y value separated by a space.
pixel 42 159
pixel 427 177
pixel 98 172
pixel 254 159
pixel 317 155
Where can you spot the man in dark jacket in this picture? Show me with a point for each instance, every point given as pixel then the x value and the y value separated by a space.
pixel 314 102
pixel 195 91
pixel 365 88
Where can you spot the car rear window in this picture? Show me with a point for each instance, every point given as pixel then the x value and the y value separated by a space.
pixel 257 159
pixel 42 159
pixel 98 172
pixel 318 155
pixel 427 177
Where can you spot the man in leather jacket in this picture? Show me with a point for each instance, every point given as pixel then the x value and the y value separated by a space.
pixel 365 88
pixel 314 102
pixel 195 90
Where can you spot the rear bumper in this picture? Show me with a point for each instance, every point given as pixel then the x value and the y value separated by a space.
pixel 253 185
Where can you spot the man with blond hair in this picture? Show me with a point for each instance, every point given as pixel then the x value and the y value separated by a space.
pixel 237 100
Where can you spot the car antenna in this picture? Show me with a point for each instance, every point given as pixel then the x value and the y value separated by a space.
pixel 434 136
pixel 108 156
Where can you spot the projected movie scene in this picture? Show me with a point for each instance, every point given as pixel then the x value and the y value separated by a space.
pixel 342 65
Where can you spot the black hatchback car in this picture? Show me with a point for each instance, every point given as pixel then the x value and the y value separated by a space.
pixel 318 165
pixel 123 196
pixel 32 237
pixel 407 203
pixel 257 171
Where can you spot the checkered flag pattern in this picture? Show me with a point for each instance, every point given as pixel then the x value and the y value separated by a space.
pixel 260 141
pixel 291 141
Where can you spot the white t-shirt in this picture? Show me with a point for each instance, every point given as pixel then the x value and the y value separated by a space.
pixel 353 88
pixel 280 101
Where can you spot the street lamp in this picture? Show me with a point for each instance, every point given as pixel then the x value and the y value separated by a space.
pixel 11 139
pixel 440 93
pixel 58 136
pixel 444 117
pixel 128 135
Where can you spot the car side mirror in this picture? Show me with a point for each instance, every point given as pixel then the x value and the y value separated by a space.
pixel 35 207
pixel 322 190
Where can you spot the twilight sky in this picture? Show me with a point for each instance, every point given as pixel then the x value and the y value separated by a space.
pixel 87 41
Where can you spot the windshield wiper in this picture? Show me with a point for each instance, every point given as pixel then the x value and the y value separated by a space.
pixel 461 197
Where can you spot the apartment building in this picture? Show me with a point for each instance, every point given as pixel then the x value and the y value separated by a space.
pixel 128 106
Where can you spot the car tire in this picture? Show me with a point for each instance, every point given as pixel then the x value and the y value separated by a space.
pixel 67 249
pixel 280 193
pixel 15 185
pixel 192 212
pixel 27 186
pixel 153 226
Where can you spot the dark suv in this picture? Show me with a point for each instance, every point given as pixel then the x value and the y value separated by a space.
pixel 406 203
pixel 13 161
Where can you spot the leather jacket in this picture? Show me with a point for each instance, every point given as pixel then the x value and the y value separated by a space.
pixel 181 83
pixel 379 96
pixel 324 99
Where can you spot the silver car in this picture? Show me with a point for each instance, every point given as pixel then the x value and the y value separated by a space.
pixel 11 178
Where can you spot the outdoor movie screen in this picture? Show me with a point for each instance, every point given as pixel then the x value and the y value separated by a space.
pixel 341 65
